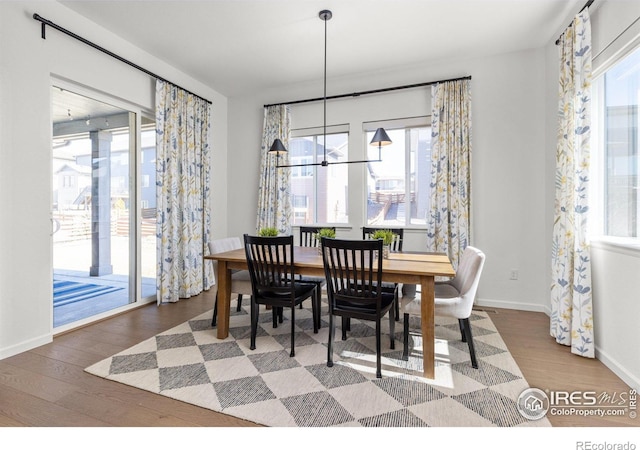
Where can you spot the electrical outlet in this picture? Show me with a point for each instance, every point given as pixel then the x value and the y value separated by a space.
pixel 514 274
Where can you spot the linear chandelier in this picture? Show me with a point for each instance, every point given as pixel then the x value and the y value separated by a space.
pixel 380 137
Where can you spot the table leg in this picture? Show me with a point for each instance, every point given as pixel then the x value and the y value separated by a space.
pixel 427 319
pixel 224 299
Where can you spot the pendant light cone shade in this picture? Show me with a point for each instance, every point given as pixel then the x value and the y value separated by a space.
pixel 380 138
pixel 278 148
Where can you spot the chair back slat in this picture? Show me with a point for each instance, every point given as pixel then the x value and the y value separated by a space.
pixel 308 236
pixel 396 245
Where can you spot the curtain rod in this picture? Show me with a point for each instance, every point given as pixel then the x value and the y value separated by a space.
pixel 589 3
pixel 374 91
pixel 46 22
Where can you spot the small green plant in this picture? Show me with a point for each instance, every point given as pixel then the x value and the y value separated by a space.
pixel 387 236
pixel 325 232
pixel 268 231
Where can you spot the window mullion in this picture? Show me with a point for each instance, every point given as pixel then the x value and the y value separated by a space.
pixel 407 177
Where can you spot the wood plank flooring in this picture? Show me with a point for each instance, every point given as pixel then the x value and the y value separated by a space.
pixel 47 386
pixel 548 365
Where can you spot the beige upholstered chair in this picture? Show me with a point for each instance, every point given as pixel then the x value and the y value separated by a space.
pixel 240 280
pixel 453 298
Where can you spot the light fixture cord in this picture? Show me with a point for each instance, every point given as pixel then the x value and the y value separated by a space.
pixel 325 92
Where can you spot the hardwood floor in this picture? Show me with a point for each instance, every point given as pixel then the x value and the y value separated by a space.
pixel 548 365
pixel 47 386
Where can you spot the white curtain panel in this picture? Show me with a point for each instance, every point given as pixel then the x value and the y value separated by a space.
pixel 571 303
pixel 449 221
pixel 274 191
pixel 183 179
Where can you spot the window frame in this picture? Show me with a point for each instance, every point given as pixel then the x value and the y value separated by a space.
pixel 598 210
pixel 316 133
pixel 405 124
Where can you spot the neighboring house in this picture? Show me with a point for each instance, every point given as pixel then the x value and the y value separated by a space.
pixel 72 181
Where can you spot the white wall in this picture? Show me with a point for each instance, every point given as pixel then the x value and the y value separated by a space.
pixel 615 270
pixel 508 169
pixel 27 64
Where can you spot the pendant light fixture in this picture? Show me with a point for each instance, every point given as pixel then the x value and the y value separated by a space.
pixel 381 138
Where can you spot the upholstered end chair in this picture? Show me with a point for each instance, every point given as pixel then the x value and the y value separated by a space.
pixel 453 298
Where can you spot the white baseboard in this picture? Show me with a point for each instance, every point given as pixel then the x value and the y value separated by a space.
pixel 25 346
pixel 617 368
pixel 485 302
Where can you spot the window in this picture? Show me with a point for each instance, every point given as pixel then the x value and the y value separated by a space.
pixel 398 187
pixel 615 163
pixel 67 181
pixel 319 194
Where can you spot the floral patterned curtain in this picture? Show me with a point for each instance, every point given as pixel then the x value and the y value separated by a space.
pixel 571 306
pixel 274 192
pixel 449 221
pixel 183 172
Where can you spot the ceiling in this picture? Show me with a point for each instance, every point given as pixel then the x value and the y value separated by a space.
pixel 243 46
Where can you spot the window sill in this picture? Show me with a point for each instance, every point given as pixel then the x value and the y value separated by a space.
pixel 626 246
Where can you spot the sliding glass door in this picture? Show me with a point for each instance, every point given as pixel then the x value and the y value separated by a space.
pixel 103 209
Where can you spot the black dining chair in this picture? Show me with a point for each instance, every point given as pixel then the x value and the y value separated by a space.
pixel 396 246
pixel 270 261
pixel 308 238
pixel 353 270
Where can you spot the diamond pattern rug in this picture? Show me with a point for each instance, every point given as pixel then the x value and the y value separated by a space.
pixel 268 387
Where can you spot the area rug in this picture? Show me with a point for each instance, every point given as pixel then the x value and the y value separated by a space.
pixel 266 386
pixel 65 292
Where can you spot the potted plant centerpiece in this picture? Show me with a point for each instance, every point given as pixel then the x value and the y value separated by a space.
pixel 268 231
pixel 324 232
pixel 387 237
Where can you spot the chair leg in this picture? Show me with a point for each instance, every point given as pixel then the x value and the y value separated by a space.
pixel 330 343
pixel 392 328
pixel 405 352
pixel 319 305
pixel 215 312
pixel 274 314
pixel 239 302
pixel 314 311
pixel 378 350
pixel 254 324
pixel 345 325
pixel 464 338
pixel 293 326
pixel 469 336
pixel 396 301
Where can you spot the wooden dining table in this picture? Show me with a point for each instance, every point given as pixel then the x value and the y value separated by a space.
pixel 402 267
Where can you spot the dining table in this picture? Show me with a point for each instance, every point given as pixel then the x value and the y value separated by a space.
pixel 419 268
